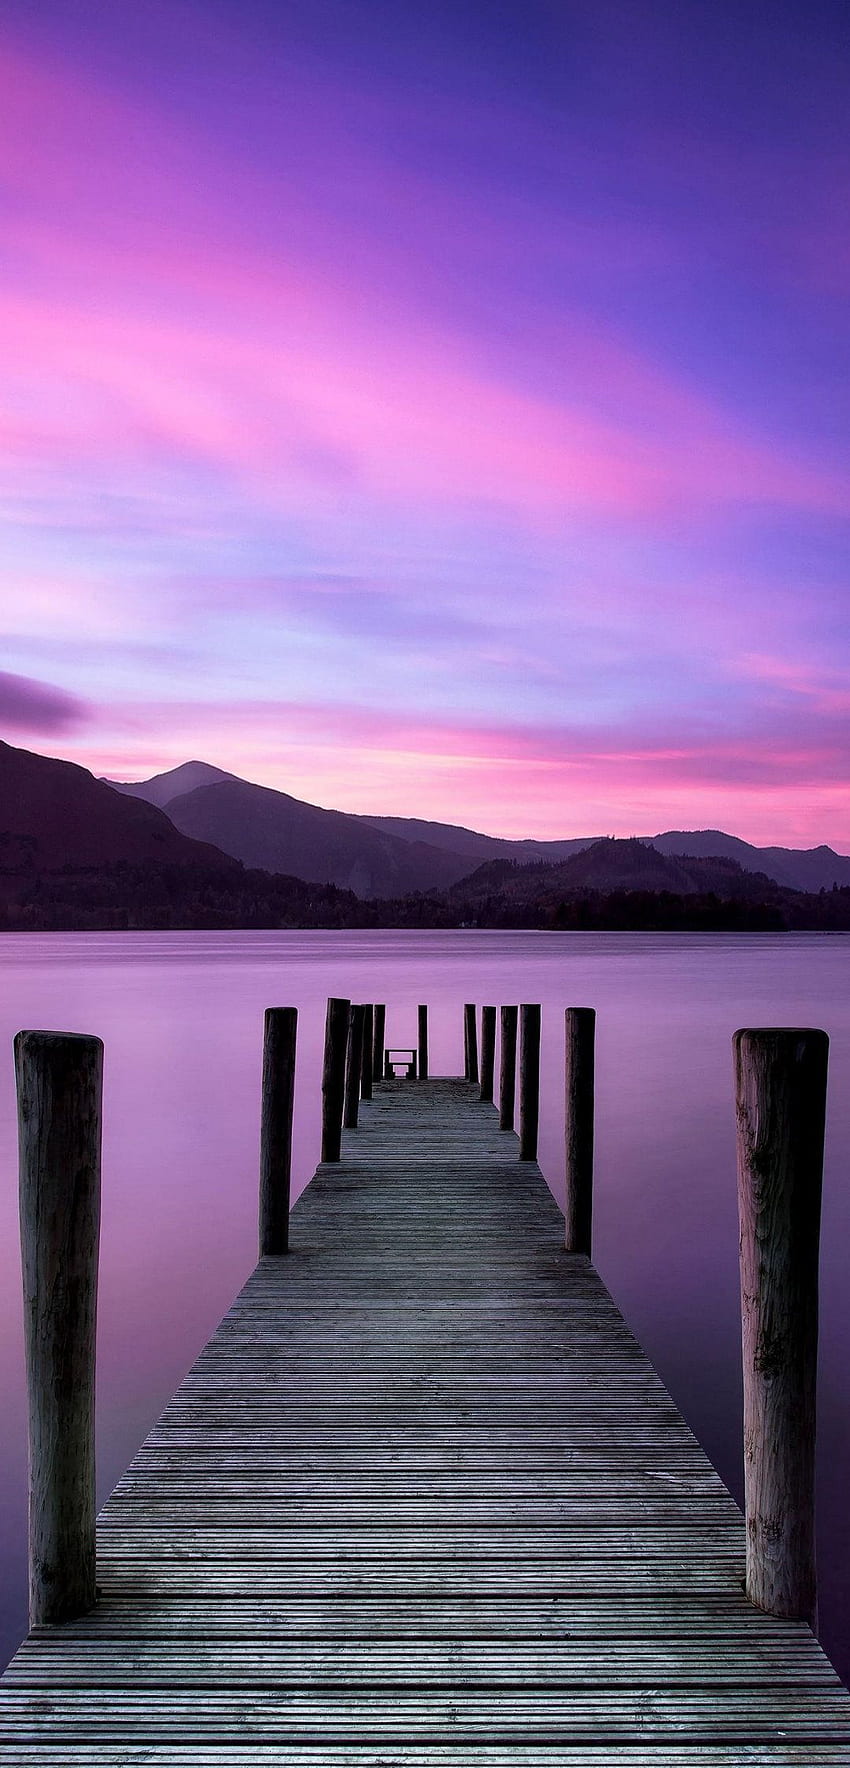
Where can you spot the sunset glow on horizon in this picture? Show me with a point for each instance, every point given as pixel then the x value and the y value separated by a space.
pixel 434 410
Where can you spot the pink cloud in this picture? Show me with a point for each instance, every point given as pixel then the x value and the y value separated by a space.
pixel 825 689
pixel 172 334
pixel 193 343
pixel 402 419
pixel 783 783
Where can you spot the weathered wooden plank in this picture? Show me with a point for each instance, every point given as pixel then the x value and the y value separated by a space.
pixel 357 1663
pixel 605 1711
pixel 257 1753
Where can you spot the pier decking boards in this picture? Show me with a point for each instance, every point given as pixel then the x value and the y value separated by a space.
pixel 422 1501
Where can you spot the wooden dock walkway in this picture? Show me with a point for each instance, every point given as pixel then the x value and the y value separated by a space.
pixel 422 1503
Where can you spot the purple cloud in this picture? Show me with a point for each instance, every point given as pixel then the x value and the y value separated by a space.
pixel 27 705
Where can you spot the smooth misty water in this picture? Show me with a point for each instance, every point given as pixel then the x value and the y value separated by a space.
pixel 181 1017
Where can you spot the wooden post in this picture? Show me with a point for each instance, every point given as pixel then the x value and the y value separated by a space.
pixel 333 1077
pixel 354 1063
pixel 423 1043
pixel 488 1051
pixel 470 1030
pixel 529 1080
pixel 507 1067
pixel 378 1045
pixel 368 1055
pixel 60 1081
pixel 281 1024
pixel 780 1085
pixel 580 1032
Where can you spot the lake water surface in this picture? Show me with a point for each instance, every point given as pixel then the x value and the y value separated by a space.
pixel 181 1018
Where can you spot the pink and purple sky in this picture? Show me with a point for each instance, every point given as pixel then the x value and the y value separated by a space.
pixel 434 408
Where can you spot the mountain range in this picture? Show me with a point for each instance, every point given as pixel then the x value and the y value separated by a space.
pixel 393 856
pixel 77 852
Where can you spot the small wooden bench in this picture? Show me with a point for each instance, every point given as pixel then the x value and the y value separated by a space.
pixel 399 1058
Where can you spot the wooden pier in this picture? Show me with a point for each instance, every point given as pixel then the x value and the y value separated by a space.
pixel 422 1503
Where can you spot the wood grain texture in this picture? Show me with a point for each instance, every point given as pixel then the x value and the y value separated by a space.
pixel 378 1036
pixel 333 1076
pixel 470 1043
pixel 278 1099
pixel 353 1066
pixel 529 1080
pixel 488 1053
pixel 59 1084
pixel 423 1503
pixel 368 1051
pixel 422 1026
pixel 579 1041
pixel 508 1020
pixel 780 1086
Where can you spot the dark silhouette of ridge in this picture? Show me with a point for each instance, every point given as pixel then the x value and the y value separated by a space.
pixel 474 846
pixel 798 868
pixel 264 827
pixel 55 815
pixel 616 865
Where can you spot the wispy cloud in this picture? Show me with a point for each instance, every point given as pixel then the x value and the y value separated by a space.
pixel 414 418
pixel 776 782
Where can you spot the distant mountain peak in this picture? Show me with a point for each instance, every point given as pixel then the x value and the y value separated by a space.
pixel 164 787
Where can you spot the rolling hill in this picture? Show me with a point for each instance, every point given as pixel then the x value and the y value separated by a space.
pixel 798 868
pixel 74 853
pixel 282 834
pixel 473 846
pixel 55 816
pixel 393 856
pixel 610 866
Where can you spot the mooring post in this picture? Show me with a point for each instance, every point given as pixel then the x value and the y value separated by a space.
pixel 368 1051
pixel 59 1084
pixel 423 1042
pixel 378 1043
pixel 780 1086
pixel 280 1030
pixel 333 1076
pixel 507 1066
pixel 488 1052
pixel 580 1033
pixel 529 1080
pixel 470 1041
pixel 354 1063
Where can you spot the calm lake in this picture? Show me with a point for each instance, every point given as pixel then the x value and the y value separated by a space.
pixel 181 1018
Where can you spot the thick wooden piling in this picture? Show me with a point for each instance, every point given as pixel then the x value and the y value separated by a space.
pixel 380 1019
pixel 780 1083
pixel 488 1052
pixel 580 1032
pixel 353 1065
pixel 280 1031
pixel 529 1080
pixel 333 1076
pixel 59 1082
pixel 422 1016
pixel 368 1054
pixel 507 1066
pixel 470 1042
